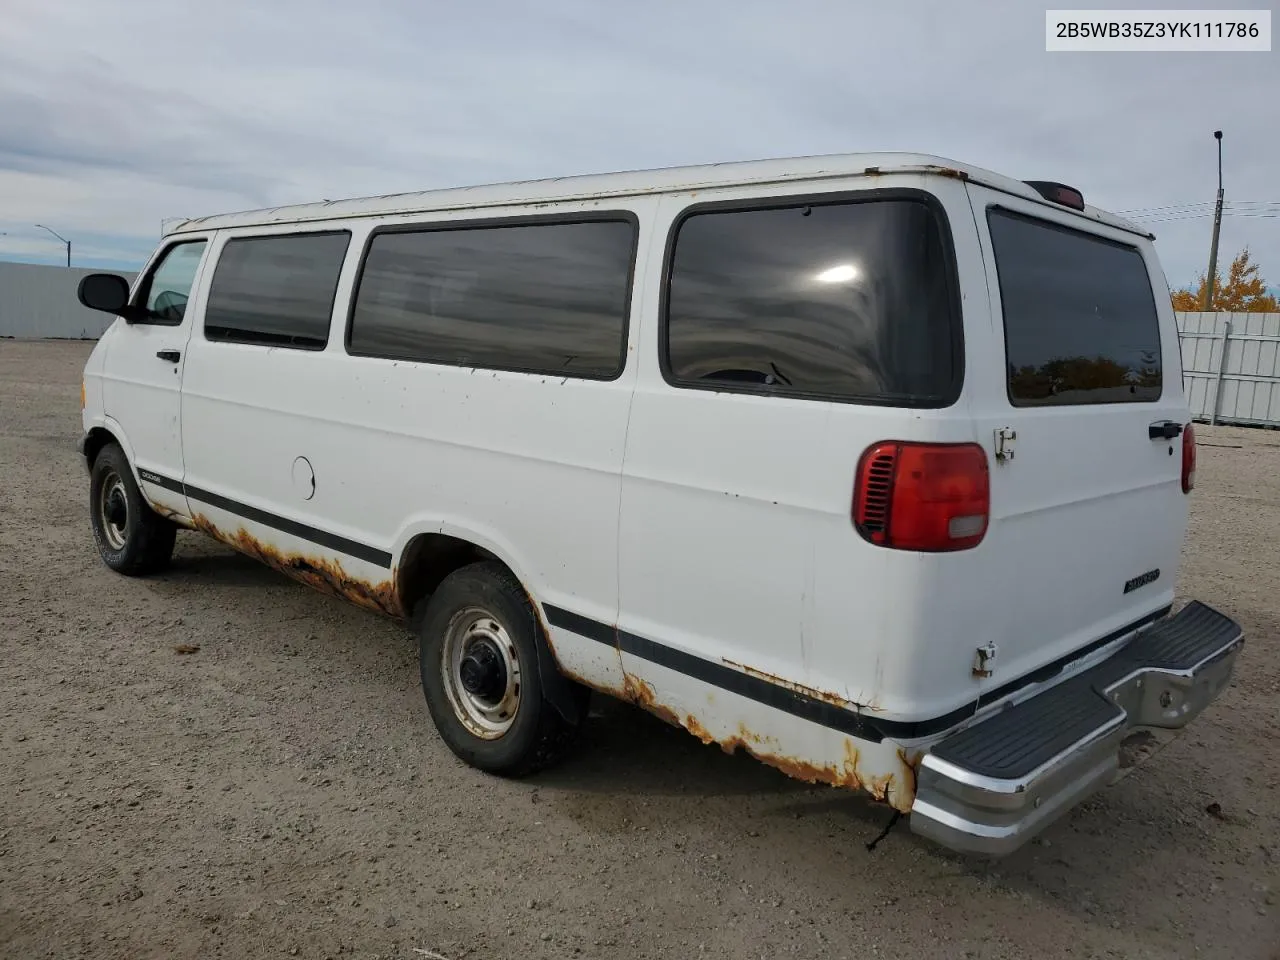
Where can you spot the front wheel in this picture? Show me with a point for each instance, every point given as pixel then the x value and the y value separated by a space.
pixel 478 641
pixel 132 538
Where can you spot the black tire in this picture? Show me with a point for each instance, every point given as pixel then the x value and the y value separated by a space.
pixel 132 538
pixel 486 594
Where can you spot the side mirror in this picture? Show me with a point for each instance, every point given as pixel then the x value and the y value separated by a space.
pixel 104 291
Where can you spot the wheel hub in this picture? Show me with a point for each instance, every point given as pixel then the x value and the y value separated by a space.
pixel 112 511
pixel 117 511
pixel 482 671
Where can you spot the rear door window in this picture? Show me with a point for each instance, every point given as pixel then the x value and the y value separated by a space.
pixel 1080 322
pixel 850 300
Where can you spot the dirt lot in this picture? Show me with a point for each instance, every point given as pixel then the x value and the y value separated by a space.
pixel 281 792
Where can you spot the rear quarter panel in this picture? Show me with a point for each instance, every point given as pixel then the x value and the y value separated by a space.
pixel 738 545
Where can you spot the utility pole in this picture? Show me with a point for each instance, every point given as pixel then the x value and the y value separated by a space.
pixel 63 239
pixel 1217 226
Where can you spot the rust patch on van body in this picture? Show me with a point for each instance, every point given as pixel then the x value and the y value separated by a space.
pixel 895 786
pixel 844 774
pixel 327 576
pixel 641 694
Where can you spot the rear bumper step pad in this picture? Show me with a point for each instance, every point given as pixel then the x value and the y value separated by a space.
pixel 992 786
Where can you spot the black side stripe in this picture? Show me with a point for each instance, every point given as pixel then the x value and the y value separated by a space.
pixel 166 482
pixel 754 688
pixel 582 626
pixel 323 538
pixel 727 678
pixel 851 722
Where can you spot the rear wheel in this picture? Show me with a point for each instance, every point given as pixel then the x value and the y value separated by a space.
pixel 478 640
pixel 132 538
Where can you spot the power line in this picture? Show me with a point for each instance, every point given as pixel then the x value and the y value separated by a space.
pixel 1258 214
pixel 1201 203
pixel 1147 221
pixel 1259 205
pixel 1248 205
pixel 1201 216
pixel 1174 206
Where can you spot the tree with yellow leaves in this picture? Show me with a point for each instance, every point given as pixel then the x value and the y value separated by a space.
pixel 1243 292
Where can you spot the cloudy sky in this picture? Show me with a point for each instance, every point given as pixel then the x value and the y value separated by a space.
pixel 115 115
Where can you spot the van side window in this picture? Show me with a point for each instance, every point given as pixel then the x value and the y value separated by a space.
pixel 1080 322
pixel 850 300
pixel 530 297
pixel 167 288
pixel 276 291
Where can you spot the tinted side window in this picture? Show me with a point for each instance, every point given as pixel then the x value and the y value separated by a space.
pixel 165 292
pixel 276 291
pixel 849 301
pixel 538 297
pixel 1080 322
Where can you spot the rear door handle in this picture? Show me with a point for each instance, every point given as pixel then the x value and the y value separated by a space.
pixel 1164 430
pixel 173 356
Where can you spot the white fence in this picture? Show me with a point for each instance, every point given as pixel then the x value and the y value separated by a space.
pixel 39 302
pixel 1231 367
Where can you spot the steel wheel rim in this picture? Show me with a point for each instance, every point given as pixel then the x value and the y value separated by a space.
pixel 481 673
pixel 113 510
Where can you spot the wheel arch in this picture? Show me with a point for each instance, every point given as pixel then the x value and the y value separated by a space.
pixel 91 443
pixel 427 552
pixel 101 432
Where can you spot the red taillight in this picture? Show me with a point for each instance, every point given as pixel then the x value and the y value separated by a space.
pixel 922 496
pixel 1188 458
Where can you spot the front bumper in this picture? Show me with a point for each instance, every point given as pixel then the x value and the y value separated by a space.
pixel 994 785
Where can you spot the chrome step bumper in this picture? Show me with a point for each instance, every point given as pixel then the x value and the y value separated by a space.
pixel 992 786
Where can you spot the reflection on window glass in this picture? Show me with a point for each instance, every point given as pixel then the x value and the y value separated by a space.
pixel 543 298
pixel 844 300
pixel 169 287
pixel 276 291
pixel 1080 319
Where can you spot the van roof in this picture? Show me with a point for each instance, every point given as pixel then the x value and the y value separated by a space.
pixel 636 183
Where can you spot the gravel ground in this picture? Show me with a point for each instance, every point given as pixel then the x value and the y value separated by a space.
pixel 281 792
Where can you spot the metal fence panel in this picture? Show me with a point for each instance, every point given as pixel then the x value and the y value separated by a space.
pixel 1231 366
pixel 38 302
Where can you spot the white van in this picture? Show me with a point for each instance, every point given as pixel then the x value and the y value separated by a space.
pixel 874 466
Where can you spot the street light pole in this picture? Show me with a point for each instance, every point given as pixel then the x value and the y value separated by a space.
pixel 1217 227
pixel 63 239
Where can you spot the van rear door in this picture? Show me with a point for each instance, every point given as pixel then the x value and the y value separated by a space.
pixel 1087 507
